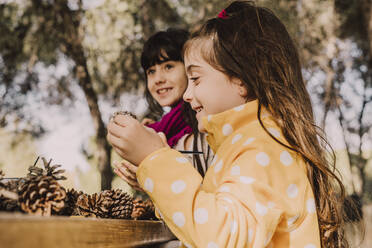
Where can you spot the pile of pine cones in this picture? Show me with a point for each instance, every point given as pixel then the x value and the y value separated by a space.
pixel 39 193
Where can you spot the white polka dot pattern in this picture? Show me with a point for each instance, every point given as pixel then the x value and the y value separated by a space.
pixel 235 170
pixel 218 166
pixel 292 220
pixel 215 158
pixel 153 157
pixel 250 235
pixel 227 129
pixel 178 186
pixel 149 185
pixel 227 199
pixel 187 245
pixel 274 132
pixel 286 158
pixel 236 138
pixel 247 180
pixel 179 219
pixel 262 159
pixel 270 204
pixel 224 189
pixel 214 181
pixel 212 245
pixel 182 160
pixel 261 209
pixel 292 191
pixel 160 214
pixel 234 227
pixel 201 216
pixel 239 108
pixel 249 141
pixel 268 238
pixel 310 206
pixel 240 148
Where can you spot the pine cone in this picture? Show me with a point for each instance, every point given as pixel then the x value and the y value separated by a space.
pixel 42 195
pixel 85 205
pixel 72 196
pixel 122 204
pixel 48 170
pixel 122 113
pixel 92 206
pixel 107 204
pixel 143 210
pixel 8 194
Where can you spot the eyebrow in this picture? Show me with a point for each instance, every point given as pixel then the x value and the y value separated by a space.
pixel 191 67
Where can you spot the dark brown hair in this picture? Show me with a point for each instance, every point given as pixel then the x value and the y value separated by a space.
pixel 161 47
pixel 253 45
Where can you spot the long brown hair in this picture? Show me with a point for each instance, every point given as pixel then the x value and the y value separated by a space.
pixel 252 44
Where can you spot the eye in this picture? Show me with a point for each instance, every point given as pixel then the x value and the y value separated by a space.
pixel 169 66
pixel 150 71
pixel 195 80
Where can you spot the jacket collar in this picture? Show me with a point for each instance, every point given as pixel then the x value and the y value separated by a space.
pixel 222 125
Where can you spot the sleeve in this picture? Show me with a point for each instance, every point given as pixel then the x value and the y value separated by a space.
pixel 240 213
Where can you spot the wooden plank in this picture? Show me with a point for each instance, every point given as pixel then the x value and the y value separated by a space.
pixel 20 231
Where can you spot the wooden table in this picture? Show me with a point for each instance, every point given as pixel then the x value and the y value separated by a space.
pixel 24 231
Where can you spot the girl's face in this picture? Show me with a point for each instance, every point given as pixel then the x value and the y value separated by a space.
pixel 210 91
pixel 167 82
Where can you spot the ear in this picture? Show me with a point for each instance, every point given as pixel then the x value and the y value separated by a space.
pixel 241 88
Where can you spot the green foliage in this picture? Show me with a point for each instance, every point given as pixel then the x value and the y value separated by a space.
pixel 108 39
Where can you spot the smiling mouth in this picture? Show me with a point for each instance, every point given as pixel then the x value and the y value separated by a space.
pixel 163 90
pixel 198 109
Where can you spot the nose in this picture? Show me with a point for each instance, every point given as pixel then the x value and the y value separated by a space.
pixel 187 95
pixel 159 78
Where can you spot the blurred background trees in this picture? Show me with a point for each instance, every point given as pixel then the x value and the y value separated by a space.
pixel 52 51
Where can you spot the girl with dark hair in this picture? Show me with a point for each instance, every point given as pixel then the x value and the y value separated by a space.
pixel 166 82
pixel 271 183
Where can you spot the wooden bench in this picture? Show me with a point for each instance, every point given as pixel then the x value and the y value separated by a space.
pixel 21 231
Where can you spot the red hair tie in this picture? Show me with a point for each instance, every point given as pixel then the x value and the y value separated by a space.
pixel 223 14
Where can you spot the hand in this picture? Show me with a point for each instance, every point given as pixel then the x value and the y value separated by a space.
pixel 127 172
pixel 147 121
pixel 133 141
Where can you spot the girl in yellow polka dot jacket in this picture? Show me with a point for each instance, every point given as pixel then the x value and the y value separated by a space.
pixel 270 184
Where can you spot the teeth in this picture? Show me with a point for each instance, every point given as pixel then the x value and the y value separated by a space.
pixel 163 90
pixel 198 109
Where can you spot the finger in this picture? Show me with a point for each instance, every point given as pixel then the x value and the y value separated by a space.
pixel 127 168
pixel 116 129
pixel 149 129
pixel 131 167
pixel 128 174
pixel 115 141
pixel 138 188
pixel 117 164
pixel 124 120
pixel 147 121
pixel 131 182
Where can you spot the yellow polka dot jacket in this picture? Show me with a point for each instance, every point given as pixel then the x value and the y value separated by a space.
pixel 254 194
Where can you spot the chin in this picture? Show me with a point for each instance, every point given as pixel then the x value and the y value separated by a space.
pixel 167 102
pixel 201 128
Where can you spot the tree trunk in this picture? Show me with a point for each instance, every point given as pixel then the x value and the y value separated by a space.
pixel 73 42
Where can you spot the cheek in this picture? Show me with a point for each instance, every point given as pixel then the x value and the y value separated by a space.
pixel 150 87
pixel 181 80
